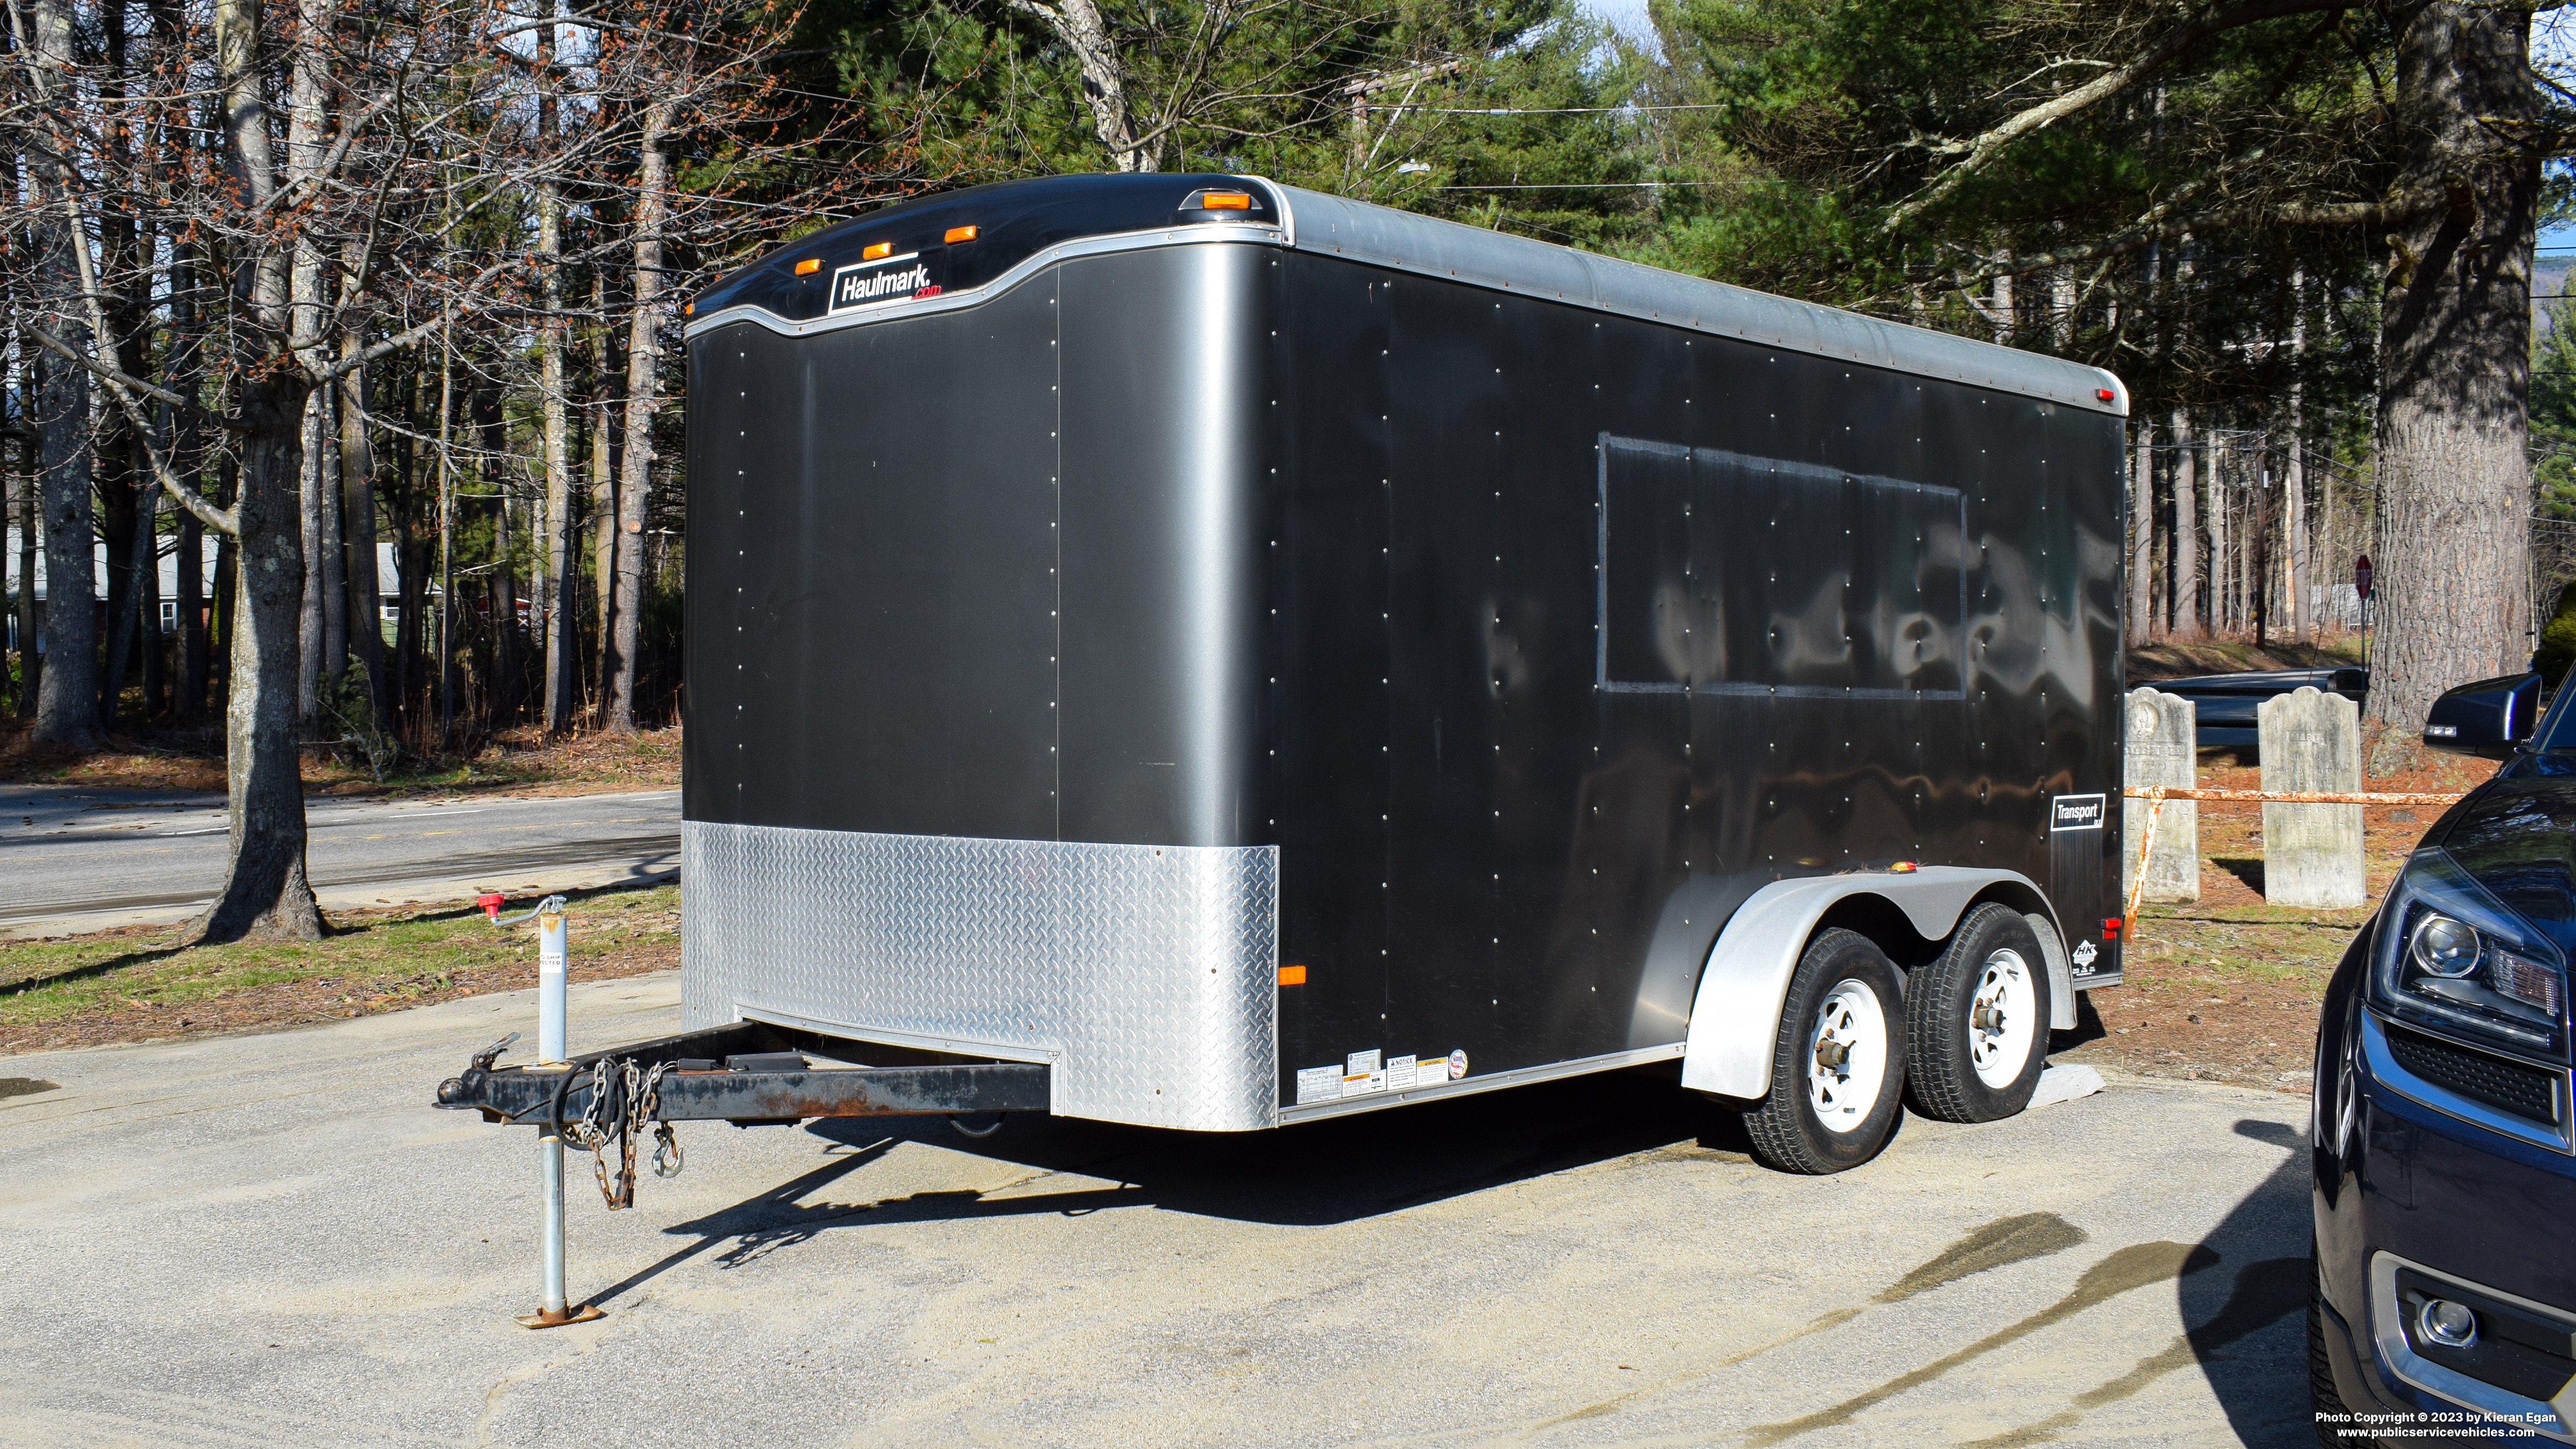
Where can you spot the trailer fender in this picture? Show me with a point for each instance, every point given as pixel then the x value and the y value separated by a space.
pixel 1735 1014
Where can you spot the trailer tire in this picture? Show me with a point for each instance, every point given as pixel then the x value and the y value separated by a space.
pixel 1838 1067
pixel 1977 1020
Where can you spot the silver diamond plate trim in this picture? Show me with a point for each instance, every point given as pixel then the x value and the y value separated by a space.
pixel 1147 974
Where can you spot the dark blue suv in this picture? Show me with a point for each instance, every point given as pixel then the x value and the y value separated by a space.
pixel 2445 1169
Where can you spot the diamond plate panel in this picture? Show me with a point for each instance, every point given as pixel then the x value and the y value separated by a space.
pixel 1147 974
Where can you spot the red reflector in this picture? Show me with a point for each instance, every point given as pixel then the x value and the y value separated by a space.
pixel 2111 928
pixel 2103 393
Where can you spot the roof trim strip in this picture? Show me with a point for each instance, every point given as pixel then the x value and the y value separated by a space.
pixel 1401 241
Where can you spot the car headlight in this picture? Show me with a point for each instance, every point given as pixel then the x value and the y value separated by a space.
pixel 2451 956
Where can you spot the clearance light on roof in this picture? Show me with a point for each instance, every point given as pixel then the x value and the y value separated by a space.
pixel 691 310
pixel 1225 201
pixel 875 250
pixel 809 266
pixel 958 234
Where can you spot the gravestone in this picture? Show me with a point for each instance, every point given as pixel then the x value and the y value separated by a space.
pixel 2162 749
pixel 2311 740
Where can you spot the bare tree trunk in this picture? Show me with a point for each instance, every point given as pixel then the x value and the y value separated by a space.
pixel 554 541
pixel 643 384
pixel 67 703
pixel 2455 358
pixel 266 894
pixel 186 366
pixel 365 621
pixel 147 593
pixel 603 489
pixel 266 891
pixel 308 613
pixel 1077 23
pixel 332 563
pixel 2142 531
pixel 31 664
pixel 2186 527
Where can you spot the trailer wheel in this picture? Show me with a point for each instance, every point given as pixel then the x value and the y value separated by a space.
pixel 1838 1069
pixel 1977 1020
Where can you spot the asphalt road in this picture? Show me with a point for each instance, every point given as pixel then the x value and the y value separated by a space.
pixel 74 859
pixel 274 1240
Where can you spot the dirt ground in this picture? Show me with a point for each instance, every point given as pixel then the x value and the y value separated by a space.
pixel 518 761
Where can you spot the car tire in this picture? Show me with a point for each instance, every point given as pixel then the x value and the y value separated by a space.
pixel 1838 1066
pixel 1977 1020
pixel 2323 1397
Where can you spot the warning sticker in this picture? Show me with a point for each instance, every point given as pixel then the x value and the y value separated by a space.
pixel 1399 1073
pixel 1360 1084
pixel 1318 1084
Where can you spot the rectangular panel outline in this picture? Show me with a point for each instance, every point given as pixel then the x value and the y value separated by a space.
pixel 1601 679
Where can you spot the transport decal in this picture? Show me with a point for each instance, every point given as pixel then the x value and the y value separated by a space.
pixel 2075 812
pixel 884 280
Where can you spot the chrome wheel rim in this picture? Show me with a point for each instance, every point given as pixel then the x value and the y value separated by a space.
pixel 1846 1056
pixel 2003 1020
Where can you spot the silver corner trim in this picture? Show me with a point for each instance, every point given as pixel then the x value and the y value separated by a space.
pixel 1492 1081
pixel 1250 233
pixel 2390 1073
pixel 1279 199
pixel 2554 1420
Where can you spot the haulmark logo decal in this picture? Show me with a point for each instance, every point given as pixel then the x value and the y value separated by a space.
pixel 2075 812
pixel 879 281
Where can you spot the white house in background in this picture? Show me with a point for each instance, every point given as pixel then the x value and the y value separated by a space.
pixel 388 582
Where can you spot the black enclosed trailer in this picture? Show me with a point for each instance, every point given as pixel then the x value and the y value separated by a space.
pixel 1263 656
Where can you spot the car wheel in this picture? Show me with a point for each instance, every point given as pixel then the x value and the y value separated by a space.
pixel 2331 1417
pixel 1977 1020
pixel 1838 1068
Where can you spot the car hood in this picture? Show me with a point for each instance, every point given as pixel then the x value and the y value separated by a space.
pixel 2517 836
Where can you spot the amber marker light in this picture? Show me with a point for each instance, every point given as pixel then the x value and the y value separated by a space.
pixel 1226 201
pixel 809 266
pixel 875 250
pixel 690 310
pixel 1903 867
pixel 1292 975
pixel 958 234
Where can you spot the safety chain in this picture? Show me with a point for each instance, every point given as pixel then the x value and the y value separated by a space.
pixel 622 1099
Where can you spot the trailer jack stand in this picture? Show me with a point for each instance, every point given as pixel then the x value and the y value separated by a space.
pixel 551 1312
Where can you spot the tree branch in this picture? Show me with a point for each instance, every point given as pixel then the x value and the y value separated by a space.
pixel 1984 148
pixel 221 520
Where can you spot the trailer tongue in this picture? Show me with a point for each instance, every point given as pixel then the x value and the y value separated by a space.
pixel 749 1074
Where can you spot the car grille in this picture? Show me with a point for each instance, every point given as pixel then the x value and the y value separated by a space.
pixel 2526 1092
